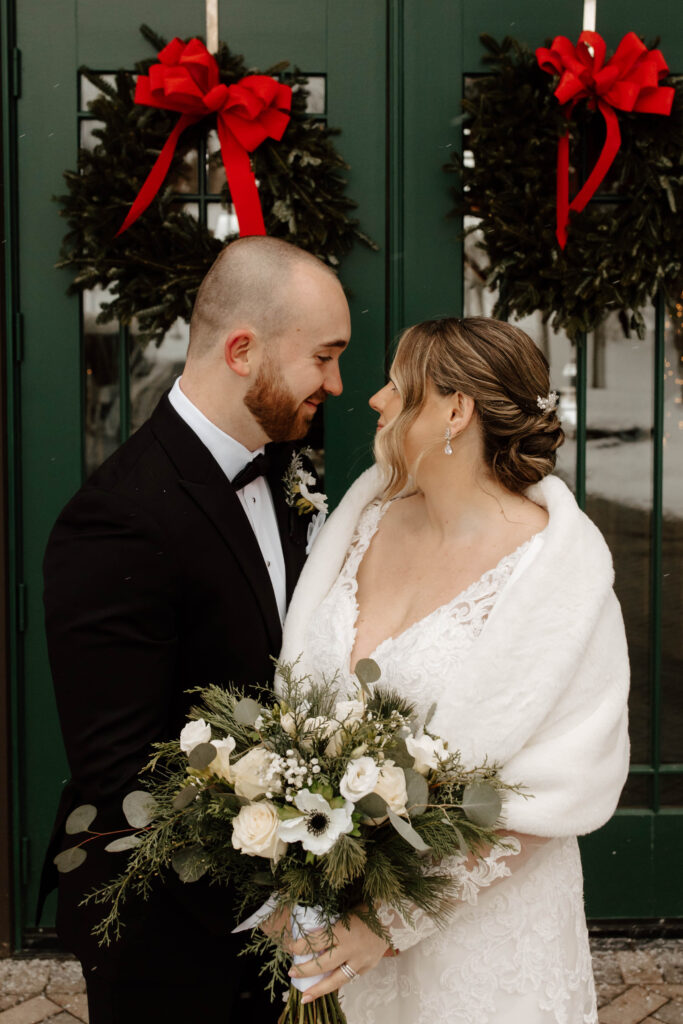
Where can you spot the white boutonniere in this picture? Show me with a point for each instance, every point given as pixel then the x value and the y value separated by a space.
pixel 298 488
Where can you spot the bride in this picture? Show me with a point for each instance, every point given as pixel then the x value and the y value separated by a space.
pixel 473 579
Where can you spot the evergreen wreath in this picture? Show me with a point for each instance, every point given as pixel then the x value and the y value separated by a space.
pixel 620 251
pixel 154 269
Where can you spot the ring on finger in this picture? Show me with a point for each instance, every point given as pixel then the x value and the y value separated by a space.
pixel 348 971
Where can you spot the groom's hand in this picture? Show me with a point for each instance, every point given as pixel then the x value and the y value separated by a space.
pixel 356 946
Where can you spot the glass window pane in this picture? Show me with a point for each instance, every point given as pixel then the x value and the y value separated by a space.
pixel 86 128
pixel 619 466
pixel 671 790
pixel 192 209
pixel 672 542
pixel 89 92
pixel 215 171
pixel 185 178
pixel 637 792
pixel 101 351
pixel 316 99
pixel 153 369
pixel 222 220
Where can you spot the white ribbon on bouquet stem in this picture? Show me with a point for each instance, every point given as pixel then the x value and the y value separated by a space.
pixel 302 921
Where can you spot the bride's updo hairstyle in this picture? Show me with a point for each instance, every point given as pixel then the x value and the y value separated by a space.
pixel 497 365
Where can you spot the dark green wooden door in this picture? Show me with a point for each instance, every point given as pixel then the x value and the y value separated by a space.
pixel 75 390
pixel 393 73
pixel 621 404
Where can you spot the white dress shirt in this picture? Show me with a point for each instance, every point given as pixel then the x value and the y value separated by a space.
pixel 256 499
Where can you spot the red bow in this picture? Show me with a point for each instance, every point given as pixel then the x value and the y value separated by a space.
pixel 254 109
pixel 629 81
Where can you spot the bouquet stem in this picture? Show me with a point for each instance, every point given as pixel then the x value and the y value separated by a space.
pixel 324 1010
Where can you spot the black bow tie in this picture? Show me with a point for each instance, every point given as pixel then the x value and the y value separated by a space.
pixel 252 471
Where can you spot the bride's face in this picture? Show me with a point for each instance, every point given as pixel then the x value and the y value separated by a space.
pixel 386 402
pixel 426 431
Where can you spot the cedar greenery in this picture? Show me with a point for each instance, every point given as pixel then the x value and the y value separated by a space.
pixel 155 268
pixel 619 253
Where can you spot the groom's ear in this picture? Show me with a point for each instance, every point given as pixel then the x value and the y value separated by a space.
pixel 461 412
pixel 239 351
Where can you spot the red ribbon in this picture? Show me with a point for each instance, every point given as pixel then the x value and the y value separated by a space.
pixel 247 113
pixel 628 81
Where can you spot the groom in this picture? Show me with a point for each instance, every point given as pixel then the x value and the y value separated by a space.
pixel 172 568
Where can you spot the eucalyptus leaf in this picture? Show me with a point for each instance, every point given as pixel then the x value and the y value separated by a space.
pixel 367 671
pixel 80 819
pixel 232 800
pixel 429 715
pixel 373 805
pixel 482 804
pixel 247 711
pixel 123 843
pixel 139 808
pixel 400 755
pixel 418 792
pixel 201 756
pixel 189 863
pixel 184 798
pixel 407 832
pixel 67 860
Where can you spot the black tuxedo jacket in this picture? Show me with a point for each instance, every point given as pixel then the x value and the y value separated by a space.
pixel 154 583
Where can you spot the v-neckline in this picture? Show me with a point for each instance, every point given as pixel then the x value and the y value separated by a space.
pixel 460 596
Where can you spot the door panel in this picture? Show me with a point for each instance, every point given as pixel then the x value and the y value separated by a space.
pixel 615 383
pixel 55 39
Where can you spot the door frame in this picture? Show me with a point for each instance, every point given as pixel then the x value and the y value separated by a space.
pixel 10 86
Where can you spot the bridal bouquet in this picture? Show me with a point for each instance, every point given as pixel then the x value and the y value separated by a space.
pixel 322 804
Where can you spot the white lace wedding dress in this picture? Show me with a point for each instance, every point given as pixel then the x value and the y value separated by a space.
pixel 516 950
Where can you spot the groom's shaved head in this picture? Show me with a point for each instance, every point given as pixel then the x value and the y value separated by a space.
pixel 251 284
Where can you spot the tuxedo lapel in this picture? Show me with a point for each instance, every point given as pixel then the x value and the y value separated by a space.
pixel 204 481
pixel 292 533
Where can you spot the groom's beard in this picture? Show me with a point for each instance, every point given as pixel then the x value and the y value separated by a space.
pixel 275 408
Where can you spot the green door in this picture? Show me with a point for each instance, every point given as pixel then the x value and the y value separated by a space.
pixel 393 74
pixel 621 405
pixel 79 388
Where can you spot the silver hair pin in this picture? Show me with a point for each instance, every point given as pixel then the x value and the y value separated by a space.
pixel 548 404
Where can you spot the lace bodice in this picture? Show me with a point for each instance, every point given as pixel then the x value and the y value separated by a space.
pixel 516 950
pixel 331 633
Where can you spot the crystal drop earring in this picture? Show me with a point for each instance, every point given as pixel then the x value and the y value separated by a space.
pixel 447 438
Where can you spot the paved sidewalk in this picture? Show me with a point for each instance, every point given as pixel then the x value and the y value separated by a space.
pixel 638 982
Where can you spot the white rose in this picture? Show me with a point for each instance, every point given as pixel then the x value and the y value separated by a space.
pixel 288 723
pixel 255 831
pixel 221 763
pixel 359 779
pixel 251 775
pixel 193 734
pixel 347 713
pixel 426 752
pixel 391 785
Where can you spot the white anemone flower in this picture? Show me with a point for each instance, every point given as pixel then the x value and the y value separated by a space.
pixel 319 826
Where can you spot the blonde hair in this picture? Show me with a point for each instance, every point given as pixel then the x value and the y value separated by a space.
pixel 502 370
